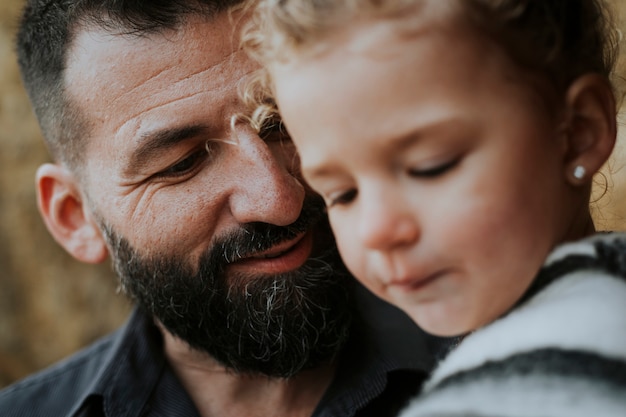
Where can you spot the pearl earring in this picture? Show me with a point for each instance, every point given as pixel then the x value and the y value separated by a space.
pixel 579 172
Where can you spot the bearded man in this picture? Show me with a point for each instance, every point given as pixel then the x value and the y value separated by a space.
pixel 243 305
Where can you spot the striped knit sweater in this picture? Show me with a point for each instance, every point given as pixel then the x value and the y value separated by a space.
pixel 560 352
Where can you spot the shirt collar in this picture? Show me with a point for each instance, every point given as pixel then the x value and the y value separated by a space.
pixel 128 373
pixel 383 340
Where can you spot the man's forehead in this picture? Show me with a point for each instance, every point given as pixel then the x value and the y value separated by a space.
pixel 124 84
pixel 95 50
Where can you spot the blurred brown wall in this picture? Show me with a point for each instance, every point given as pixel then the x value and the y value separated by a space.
pixel 51 305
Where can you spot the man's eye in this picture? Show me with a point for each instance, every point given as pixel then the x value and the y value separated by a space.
pixel 185 165
pixel 434 171
pixel 341 199
pixel 274 131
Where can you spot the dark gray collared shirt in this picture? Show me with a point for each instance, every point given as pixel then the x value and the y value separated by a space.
pixel 126 374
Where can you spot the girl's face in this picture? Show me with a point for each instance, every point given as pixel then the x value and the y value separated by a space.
pixel 443 171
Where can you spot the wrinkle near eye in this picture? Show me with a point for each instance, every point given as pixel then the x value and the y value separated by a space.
pixel 140 197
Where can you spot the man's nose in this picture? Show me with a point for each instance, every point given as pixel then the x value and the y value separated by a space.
pixel 386 221
pixel 266 191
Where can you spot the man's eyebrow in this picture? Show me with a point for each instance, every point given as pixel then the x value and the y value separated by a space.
pixel 156 142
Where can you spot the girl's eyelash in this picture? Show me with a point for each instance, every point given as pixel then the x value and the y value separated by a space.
pixel 435 171
pixel 349 196
pixel 343 198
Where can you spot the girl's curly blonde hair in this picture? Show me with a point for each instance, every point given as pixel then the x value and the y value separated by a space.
pixel 555 39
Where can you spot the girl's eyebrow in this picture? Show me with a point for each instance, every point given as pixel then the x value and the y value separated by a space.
pixel 437 127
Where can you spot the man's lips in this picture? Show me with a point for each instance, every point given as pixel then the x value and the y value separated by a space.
pixel 284 257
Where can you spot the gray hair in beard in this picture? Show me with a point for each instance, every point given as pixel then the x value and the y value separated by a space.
pixel 273 325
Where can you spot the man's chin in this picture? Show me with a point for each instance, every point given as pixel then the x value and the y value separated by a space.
pixel 280 325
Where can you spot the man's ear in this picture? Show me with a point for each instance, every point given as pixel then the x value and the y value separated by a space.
pixel 67 216
pixel 591 127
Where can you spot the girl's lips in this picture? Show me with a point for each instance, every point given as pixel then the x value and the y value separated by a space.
pixel 414 284
pixel 284 257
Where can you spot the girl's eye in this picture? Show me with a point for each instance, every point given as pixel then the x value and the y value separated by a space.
pixel 342 198
pixel 434 171
pixel 185 165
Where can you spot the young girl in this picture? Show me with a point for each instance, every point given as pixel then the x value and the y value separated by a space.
pixel 454 143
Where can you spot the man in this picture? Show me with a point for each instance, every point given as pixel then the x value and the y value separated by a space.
pixel 244 308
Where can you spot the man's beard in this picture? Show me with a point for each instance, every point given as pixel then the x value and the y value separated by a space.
pixel 275 325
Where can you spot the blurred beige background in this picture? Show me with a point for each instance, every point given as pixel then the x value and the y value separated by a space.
pixel 51 305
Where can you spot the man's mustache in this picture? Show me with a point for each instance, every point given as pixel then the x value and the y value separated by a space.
pixel 257 237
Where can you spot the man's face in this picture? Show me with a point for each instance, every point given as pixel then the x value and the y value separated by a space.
pixel 194 204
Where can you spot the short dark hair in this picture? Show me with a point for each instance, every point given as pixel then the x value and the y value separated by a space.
pixel 45 33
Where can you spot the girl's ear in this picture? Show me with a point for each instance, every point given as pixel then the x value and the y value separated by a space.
pixel 591 127
pixel 66 216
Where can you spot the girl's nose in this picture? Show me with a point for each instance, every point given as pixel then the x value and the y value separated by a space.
pixel 386 222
